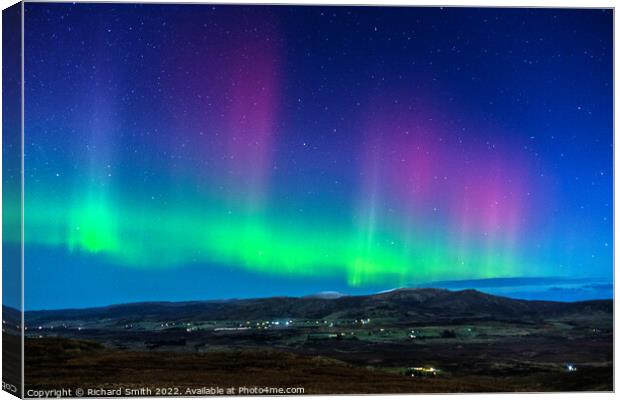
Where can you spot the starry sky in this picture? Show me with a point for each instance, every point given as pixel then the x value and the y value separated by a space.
pixel 178 152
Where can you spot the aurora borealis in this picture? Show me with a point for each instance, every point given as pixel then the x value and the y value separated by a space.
pixel 198 152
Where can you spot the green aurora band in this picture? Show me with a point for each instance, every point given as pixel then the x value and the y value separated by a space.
pixel 155 237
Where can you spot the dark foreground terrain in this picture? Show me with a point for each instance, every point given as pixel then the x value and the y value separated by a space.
pixel 415 341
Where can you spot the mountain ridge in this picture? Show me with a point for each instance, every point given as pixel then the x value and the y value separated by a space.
pixel 417 304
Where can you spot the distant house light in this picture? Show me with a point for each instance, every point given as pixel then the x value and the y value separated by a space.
pixel 422 371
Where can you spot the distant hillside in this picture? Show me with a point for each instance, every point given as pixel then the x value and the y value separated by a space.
pixel 411 305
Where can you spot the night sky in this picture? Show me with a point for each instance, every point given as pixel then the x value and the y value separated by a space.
pixel 178 152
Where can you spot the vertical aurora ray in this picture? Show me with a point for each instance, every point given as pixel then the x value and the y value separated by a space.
pixel 466 202
pixel 251 117
pixel 93 220
pixel 274 142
